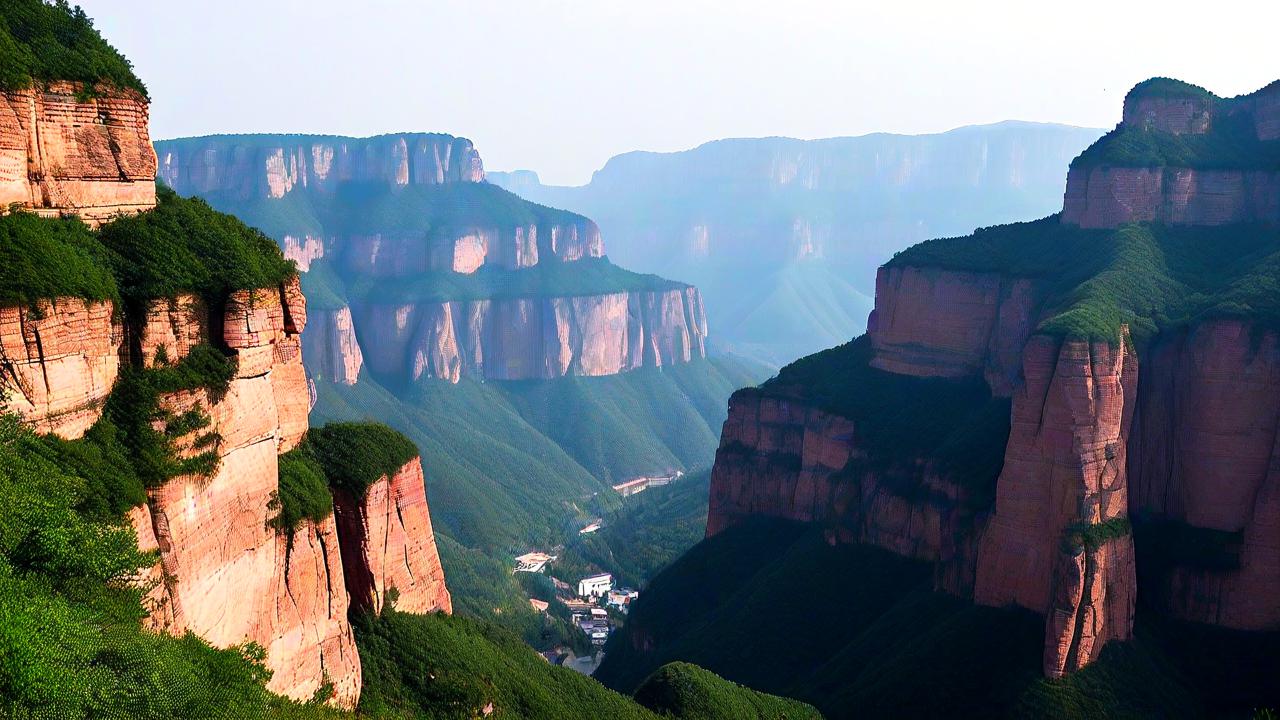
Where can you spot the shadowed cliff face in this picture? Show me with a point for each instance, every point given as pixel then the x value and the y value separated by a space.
pixel 1131 468
pixel 60 151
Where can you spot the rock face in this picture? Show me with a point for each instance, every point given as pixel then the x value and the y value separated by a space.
pixel 63 153
pixel 58 362
pixel 273 166
pixel 938 323
pixel 1065 468
pixel 388 544
pixel 1182 188
pixel 329 344
pixel 528 338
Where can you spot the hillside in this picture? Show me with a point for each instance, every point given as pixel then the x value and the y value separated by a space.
pixel 782 236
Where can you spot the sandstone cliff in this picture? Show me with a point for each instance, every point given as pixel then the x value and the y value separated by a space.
pixel 1191 158
pixel 388 544
pixel 63 152
pixel 528 338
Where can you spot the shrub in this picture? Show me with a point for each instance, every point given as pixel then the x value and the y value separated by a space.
pixel 354 455
pixel 42 41
pixel 304 491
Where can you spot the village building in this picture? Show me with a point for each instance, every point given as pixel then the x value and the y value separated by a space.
pixel 595 585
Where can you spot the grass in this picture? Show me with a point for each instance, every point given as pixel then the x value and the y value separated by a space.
pixel 303 491
pixel 42 41
pixel 682 689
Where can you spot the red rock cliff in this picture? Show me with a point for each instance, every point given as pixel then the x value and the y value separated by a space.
pixel 388 543
pixel 527 338
pixel 62 152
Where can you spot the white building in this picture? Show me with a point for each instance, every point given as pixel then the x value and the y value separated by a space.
pixel 533 562
pixel 595 585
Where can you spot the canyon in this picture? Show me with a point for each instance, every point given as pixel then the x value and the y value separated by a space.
pixel 782 235
pixel 1132 464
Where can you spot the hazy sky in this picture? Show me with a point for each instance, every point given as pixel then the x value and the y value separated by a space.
pixel 559 86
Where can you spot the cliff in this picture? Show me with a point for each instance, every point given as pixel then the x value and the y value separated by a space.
pixel 1181 156
pixel 63 152
pixel 388 544
pixel 435 273
pixel 1136 456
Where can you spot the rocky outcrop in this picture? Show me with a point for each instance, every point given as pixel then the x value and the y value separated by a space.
pixel 388 545
pixel 63 150
pixel 330 346
pixel 938 323
pixel 273 166
pixel 170 328
pixel 1188 185
pixel 528 338
pixel 58 362
pixel 1065 476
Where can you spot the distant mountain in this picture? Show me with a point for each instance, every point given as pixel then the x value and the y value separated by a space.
pixel 783 236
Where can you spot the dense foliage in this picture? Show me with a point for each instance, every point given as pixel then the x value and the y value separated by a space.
pixel 1231 142
pixel 45 41
pixel 354 455
pixel 303 491
pixel 183 245
pixel 45 259
pixel 685 690
pixel 70 640
pixel 642 536
pixel 857 632
pixel 1149 277
pixel 955 423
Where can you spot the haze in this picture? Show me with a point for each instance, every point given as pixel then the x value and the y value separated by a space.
pixel 559 86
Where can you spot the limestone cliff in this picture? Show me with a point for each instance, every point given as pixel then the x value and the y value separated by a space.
pixel 63 151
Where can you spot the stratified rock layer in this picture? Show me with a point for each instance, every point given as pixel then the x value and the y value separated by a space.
pixel 331 348
pixel 63 152
pixel 58 362
pixel 388 544
pixel 528 338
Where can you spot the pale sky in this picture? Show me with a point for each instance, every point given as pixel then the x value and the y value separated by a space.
pixel 559 86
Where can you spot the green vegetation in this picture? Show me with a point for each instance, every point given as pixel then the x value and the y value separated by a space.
pixel 588 276
pixel 857 632
pixel 956 423
pixel 42 41
pixel 184 245
pixel 70 640
pixel 685 690
pixel 45 259
pixel 642 536
pixel 1230 144
pixel 1153 278
pixel 304 491
pixel 355 454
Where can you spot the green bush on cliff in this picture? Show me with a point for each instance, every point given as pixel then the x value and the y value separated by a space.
pixel 51 258
pixel 354 455
pixel 303 491
pixel 43 41
pixel 183 245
